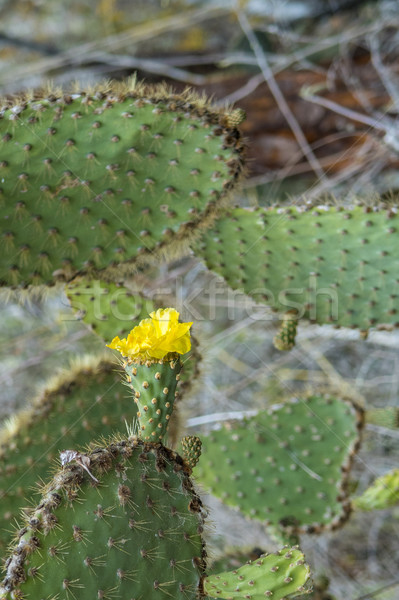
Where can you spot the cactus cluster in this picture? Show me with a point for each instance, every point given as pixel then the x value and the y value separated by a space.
pixel 286 467
pixel 328 264
pixel 119 175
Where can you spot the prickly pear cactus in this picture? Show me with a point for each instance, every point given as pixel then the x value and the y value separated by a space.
pixel 109 309
pixel 286 467
pixel 122 174
pixel 276 576
pixel 84 402
pixel 383 493
pixel 331 265
pixel 136 533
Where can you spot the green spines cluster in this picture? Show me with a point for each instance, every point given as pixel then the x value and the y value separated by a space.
pixel 92 180
pixel 277 576
pixel 383 493
pixel 286 467
pixel 136 533
pixel 285 338
pixel 191 449
pixel 85 402
pixel 383 417
pixel 330 264
pixel 111 309
pixel 154 386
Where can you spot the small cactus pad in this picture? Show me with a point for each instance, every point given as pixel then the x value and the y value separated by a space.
pixel 154 386
pixel 286 467
pixel 120 175
pixel 110 309
pixel 383 493
pixel 88 400
pixel 332 265
pixel 191 449
pixel 280 575
pixel 285 338
pixel 134 534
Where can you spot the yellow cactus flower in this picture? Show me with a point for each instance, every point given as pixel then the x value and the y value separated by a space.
pixel 155 337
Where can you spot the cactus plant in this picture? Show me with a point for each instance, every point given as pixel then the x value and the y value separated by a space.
pixel 109 308
pixel 287 467
pixel 329 264
pixel 121 174
pixel 74 407
pixel 137 513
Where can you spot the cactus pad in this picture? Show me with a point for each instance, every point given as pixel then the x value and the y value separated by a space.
pixel 286 467
pixel 278 576
pixel 74 408
pixel 383 493
pixel 120 175
pixel 331 265
pixel 135 534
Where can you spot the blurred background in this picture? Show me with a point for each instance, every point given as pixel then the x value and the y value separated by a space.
pixel 319 83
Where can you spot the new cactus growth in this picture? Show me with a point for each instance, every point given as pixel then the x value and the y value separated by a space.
pixel 119 175
pixel 84 402
pixel 329 264
pixel 287 467
pixel 152 364
pixel 191 450
pixel 285 338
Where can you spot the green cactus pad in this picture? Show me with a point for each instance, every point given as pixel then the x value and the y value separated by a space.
pixel 280 575
pixel 154 386
pixel 286 467
pixel 383 493
pixel 120 175
pixel 111 309
pixel 191 450
pixel 331 265
pixel 86 401
pixel 134 534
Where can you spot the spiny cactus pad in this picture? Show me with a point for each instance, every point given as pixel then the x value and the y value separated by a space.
pixel 280 575
pixel 135 534
pixel 383 493
pixel 331 265
pixel 88 400
pixel 111 309
pixel 92 180
pixel 286 467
